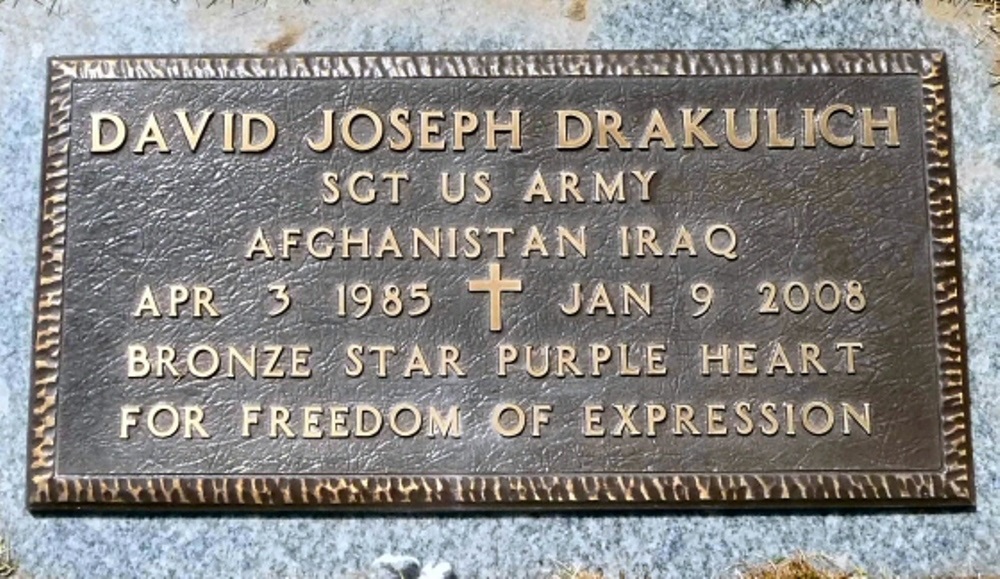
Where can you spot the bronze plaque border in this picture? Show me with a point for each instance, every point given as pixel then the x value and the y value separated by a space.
pixel 950 486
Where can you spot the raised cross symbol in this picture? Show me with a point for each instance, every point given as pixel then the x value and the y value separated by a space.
pixel 495 285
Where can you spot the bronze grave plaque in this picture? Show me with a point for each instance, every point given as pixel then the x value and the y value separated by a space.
pixel 485 281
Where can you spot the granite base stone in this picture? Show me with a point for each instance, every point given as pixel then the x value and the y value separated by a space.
pixel 655 545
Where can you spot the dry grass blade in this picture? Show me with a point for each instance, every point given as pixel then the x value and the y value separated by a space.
pixel 51 6
pixel 7 565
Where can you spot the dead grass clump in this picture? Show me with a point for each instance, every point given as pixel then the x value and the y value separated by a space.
pixel 981 18
pixel 567 572
pixel 799 566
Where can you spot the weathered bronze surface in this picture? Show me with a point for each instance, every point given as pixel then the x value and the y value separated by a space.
pixel 590 280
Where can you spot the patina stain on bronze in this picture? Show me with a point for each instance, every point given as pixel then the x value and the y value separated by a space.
pixel 587 280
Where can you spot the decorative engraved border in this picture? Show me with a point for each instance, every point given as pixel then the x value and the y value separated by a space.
pixel 952 486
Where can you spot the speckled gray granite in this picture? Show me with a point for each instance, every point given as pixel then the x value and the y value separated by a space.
pixel 487 546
